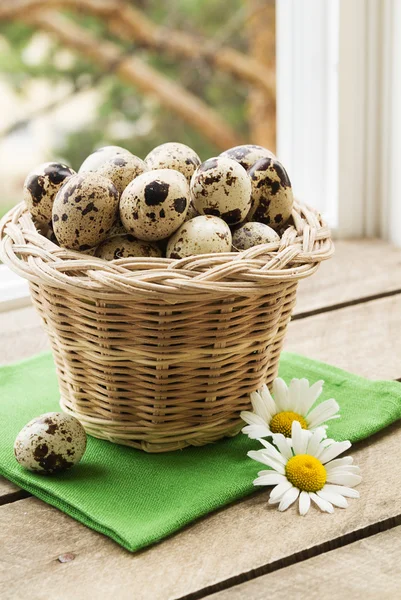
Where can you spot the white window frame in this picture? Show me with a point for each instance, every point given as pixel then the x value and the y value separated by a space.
pixel 339 110
pixel 338 117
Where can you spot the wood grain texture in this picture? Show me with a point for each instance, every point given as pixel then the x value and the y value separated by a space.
pixel 245 537
pixel 248 537
pixel 358 269
pixel 364 339
pixel 366 569
pixel 22 335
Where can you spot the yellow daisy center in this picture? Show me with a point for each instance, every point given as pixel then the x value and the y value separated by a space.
pixel 282 422
pixel 306 473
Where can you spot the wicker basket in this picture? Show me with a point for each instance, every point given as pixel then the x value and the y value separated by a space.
pixel 156 353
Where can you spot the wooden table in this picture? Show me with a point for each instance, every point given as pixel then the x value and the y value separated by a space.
pixel 349 314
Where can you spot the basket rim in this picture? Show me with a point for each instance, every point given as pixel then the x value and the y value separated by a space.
pixel 297 255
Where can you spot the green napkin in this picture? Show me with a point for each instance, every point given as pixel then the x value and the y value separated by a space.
pixel 137 498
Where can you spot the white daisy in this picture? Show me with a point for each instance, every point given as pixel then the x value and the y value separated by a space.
pixel 293 403
pixel 306 466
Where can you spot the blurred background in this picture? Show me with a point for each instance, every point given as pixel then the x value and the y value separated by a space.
pixel 80 74
pixel 316 81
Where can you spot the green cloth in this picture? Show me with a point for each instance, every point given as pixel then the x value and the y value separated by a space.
pixel 137 498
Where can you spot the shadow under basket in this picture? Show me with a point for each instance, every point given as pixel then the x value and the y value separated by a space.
pixel 160 354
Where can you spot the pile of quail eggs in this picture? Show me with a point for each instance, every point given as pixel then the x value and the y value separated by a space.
pixel 169 204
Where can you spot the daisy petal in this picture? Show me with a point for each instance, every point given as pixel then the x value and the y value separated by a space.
pixel 280 392
pixel 260 456
pixel 256 427
pixel 304 503
pixel 294 395
pixel 343 490
pixel 251 418
pixel 275 500
pixel 324 412
pixel 255 432
pixel 271 479
pixel 315 440
pixel 272 451
pixel 345 469
pixel 289 498
pixel 300 438
pixel 334 498
pixel 339 462
pixel 283 445
pixel 322 504
pixel 280 489
pixel 312 395
pixel 334 450
pixel 349 479
pixel 303 403
pixel 260 408
pixel 268 400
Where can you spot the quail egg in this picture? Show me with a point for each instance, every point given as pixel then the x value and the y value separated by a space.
pixel 84 210
pixel 253 234
pixel 248 154
pixel 221 187
pixel 272 198
pixel 202 235
pixel 192 212
pixel 174 155
pixel 123 246
pixel 100 156
pixel 117 229
pixel 50 443
pixel 155 204
pixel 40 188
pixel 122 169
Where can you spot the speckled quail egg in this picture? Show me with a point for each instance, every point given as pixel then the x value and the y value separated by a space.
pixel 248 154
pixel 202 235
pixel 40 188
pixel 117 229
pixel 222 188
pixel 122 169
pixel 84 210
pixel 272 198
pixel 50 443
pixel 192 212
pixel 123 246
pixel 155 204
pixel 253 234
pixel 174 155
pixel 100 156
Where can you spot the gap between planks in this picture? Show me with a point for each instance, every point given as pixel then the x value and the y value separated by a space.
pixel 368 569
pixel 297 558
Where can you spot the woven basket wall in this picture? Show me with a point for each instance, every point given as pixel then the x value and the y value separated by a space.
pixel 160 354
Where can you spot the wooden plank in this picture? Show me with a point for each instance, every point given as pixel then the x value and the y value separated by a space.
pixel 10 492
pixel 358 269
pixel 22 335
pixel 364 339
pixel 366 569
pixel 246 537
pixel 197 558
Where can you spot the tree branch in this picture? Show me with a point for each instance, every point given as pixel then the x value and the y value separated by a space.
pixel 129 22
pixel 107 55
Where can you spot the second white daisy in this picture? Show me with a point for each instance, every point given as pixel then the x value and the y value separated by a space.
pixel 293 403
pixel 306 467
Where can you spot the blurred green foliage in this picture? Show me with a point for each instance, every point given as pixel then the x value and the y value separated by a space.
pixel 142 122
